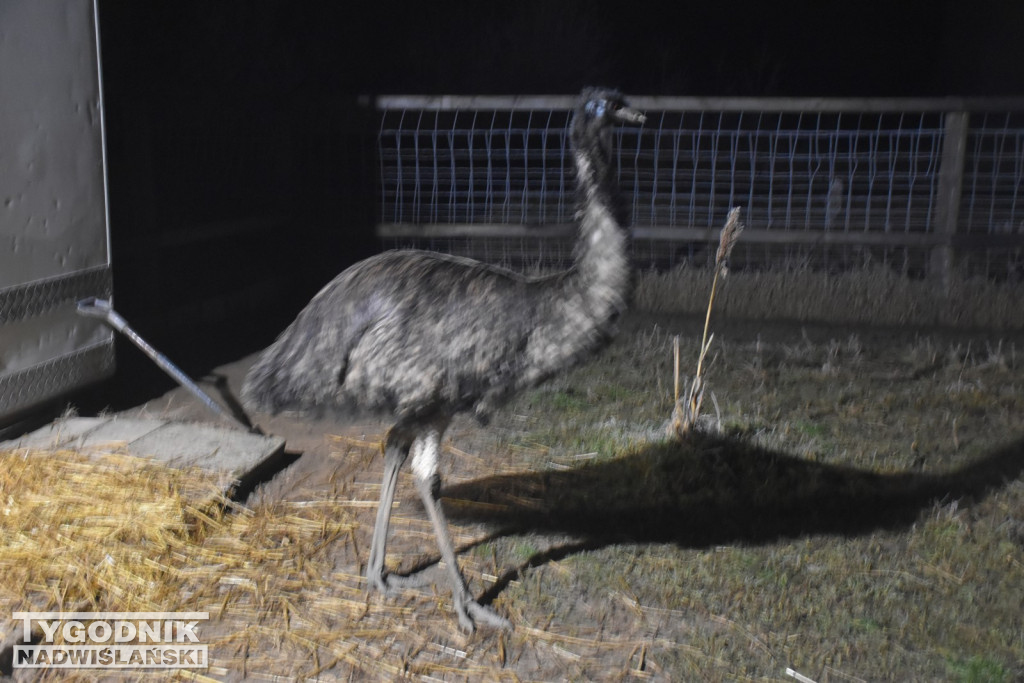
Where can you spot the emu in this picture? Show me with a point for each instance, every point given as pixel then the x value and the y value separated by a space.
pixel 421 336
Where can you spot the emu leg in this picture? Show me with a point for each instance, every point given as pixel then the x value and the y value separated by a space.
pixel 428 482
pixel 396 450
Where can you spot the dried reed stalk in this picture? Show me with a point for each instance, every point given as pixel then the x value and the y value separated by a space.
pixel 685 413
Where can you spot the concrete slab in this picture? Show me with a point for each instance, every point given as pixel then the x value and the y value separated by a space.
pixel 56 434
pixel 115 432
pixel 179 444
pixel 185 444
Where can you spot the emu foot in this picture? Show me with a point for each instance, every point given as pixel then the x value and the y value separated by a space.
pixel 471 613
pixel 389 584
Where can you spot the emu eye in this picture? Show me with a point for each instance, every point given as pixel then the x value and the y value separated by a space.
pixel 598 107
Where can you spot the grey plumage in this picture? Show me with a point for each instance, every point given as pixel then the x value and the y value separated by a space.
pixel 421 336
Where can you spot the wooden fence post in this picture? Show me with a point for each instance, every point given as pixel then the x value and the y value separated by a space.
pixel 951 177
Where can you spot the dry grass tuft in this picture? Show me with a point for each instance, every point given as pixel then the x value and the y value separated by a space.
pixel 97 534
pixel 120 533
pixel 685 413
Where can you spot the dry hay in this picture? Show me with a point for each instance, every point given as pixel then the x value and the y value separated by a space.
pixel 281 580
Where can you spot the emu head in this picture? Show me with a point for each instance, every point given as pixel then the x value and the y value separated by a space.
pixel 600 109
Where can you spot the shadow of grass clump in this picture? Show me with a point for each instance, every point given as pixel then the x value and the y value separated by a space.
pixel 712 491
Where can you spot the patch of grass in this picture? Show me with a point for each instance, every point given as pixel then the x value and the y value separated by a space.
pixel 811 429
pixel 573 442
pixel 978 669
pixel 523 549
pixel 873 295
pixel 844 422
pixel 618 393
pixel 867 625
pixel 567 402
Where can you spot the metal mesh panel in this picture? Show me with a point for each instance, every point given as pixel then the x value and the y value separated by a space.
pixel 520 253
pixel 841 185
pixel 789 171
pixel 994 176
pixel 475 167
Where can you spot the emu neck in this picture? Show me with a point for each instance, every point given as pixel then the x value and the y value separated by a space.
pixel 602 266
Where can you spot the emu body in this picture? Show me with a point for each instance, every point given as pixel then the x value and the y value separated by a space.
pixel 420 336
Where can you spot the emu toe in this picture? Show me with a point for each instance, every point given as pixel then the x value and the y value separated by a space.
pixel 389 584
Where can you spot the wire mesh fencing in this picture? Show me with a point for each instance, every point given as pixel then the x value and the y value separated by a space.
pixel 823 183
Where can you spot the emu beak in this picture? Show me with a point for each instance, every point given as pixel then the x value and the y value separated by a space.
pixel 630 115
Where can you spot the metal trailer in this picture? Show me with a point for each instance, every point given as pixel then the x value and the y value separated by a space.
pixel 54 237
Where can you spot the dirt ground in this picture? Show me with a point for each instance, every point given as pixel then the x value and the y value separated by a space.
pixel 853 510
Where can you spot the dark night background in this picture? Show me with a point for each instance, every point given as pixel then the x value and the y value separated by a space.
pixel 240 159
pixel 268 50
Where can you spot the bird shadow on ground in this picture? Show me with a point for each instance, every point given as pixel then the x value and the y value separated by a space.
pixel 711 491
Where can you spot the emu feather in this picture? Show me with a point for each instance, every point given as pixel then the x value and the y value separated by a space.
pixel 420 336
